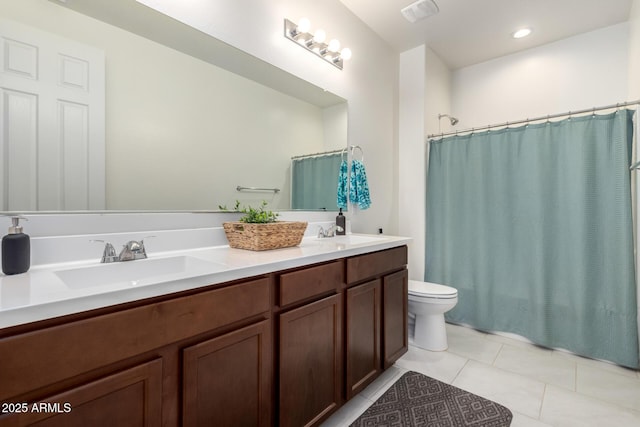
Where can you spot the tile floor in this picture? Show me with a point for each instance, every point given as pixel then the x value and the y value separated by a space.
pixel 541 387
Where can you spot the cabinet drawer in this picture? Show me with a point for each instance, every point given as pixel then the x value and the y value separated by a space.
pixel 366 266
pixel 309 282
pixel 46 356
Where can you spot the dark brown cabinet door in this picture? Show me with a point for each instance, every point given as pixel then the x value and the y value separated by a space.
pixel 363 336
pixel 132 397
pixel 394 317
pixel 310 366
pixel 227 380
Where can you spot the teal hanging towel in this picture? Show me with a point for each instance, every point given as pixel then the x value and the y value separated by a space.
pixel 342 185
pixel 359 187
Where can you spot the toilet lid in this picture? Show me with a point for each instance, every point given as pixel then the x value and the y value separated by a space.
pixel 431 289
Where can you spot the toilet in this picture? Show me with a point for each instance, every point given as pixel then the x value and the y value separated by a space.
pixel 428 302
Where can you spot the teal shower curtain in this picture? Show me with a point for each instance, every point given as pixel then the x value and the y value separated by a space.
pixel 533 226
pixel 314 181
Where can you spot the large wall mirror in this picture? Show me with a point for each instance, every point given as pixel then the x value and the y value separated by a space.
pixel 188 119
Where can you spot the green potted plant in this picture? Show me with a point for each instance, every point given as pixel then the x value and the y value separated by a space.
pixel 259 230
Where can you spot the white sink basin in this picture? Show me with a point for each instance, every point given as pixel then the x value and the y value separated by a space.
pixel 137 273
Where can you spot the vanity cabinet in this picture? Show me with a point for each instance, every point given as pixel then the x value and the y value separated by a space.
pixel 310 344
pixel 376 326
pixel 395 288
pixel 132 397
pixel 362 336
pixel 227 379
pixel 310 362
pixel 287 348
pixel 125 362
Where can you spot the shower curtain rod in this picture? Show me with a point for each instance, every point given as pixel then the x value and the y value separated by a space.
pixel 324 153
pixel 536 119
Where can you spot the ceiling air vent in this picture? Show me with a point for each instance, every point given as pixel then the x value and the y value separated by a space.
pixel 420 10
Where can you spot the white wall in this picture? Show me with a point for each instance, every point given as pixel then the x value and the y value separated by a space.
pixel 335 127
pixel 585 71
pixel 438 95
pixel 424 93
pixel 411 185
pixel 634 51
pixel 368 81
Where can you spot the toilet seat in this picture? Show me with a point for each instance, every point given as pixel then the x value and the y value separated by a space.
pixel 431 290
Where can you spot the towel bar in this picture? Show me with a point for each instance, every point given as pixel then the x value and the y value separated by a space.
pixel 241 188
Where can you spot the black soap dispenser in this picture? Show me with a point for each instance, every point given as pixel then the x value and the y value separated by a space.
pixel 16 249
pixel 341 222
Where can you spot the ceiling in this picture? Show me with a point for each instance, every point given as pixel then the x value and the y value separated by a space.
pixel 467 32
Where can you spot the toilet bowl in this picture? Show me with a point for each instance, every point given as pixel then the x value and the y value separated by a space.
pixel 428 302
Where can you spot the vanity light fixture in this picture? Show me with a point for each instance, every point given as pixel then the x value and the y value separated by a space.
pixel 315 43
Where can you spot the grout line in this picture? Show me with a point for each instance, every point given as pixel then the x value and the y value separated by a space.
pixel 497 355
pixel 459 371
pixel 544 392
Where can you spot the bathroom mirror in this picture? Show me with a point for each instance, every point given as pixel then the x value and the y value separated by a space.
pixel 189 119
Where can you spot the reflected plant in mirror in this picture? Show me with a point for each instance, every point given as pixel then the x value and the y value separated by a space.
pixel 259 215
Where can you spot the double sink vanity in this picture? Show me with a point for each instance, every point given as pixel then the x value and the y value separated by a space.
pixel 210 336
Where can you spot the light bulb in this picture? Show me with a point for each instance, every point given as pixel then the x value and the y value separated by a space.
pixel 304 25
pixel 345 54
pixel 334 45
pixel 319 36
pixel 522 33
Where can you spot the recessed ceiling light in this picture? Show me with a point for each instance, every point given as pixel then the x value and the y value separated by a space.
pixel 524 32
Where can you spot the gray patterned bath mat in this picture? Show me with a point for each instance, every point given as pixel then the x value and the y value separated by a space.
pixel 416 400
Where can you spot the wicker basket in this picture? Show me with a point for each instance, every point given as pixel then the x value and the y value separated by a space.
pixel 262 237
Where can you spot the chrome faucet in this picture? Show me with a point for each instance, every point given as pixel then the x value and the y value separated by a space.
pixel 329 232
pixel 109 253
pixel 131 251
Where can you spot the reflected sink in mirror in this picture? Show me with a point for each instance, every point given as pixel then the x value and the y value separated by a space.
pixel 137 273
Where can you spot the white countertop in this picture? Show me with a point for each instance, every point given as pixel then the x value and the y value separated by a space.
pixel 41 293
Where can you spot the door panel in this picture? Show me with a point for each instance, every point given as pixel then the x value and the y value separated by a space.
pixel 53 116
